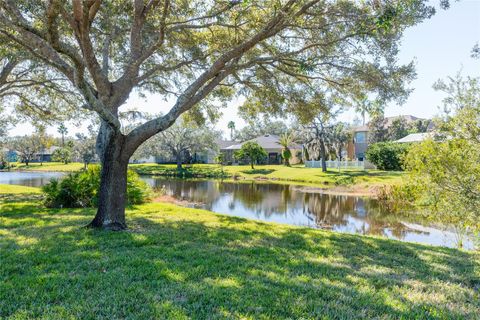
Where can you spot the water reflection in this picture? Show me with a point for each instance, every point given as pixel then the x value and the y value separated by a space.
pixel 296 206
pixel 29 179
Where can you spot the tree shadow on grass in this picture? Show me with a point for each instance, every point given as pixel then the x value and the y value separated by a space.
pixel 258 171
pixel 174 266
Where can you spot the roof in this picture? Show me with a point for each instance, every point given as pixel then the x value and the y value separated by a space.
pixel 222 144
pixel 415 137
pixel 268 141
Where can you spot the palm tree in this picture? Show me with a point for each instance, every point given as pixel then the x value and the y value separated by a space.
pixel 231 126
pixel 286 140
pixel 62 129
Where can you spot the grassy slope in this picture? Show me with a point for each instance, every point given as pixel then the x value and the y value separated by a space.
pixel 184 263
pixel 49 166
pixel 297 174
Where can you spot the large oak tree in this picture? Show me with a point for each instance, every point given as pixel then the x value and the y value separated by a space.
pixel 201 53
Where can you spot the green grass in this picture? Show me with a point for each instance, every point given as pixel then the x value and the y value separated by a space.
pixel 179 263
pixel 48 166
pixel 14 189
pixel 278 173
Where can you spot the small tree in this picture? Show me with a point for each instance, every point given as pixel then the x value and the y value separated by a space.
pixel 64 154
pixel 377 129
pixel 231 126
pixel 26 146
pixel 180 140
pixel 220 160
pixel 387 155
pixel 286 141
pixel 398 129
pixel 62 129
pixel 251 152
pixel 85 149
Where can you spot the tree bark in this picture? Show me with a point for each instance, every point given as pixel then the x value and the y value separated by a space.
pixel 179 161
pixel 323 155
pixel 113 180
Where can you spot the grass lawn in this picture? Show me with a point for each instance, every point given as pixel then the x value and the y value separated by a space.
pixel 48 166
pixel 178 263
pixel 280 173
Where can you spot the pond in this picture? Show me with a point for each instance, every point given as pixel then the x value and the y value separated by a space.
pixel 29 179
pixel 294 205
pixel 301 206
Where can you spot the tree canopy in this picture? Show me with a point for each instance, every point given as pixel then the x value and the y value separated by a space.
pixel 201 54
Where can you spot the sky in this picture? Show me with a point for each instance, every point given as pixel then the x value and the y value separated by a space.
pixel 440 47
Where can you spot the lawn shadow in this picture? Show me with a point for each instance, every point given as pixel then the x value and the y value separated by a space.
pixel 258 171
pixel 169 266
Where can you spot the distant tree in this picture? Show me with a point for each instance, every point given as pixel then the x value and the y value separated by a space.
pixel 62 129
pixel 64 154
pixel 398 129
pixel 340 135
pixel 419 126
pixel 377 129
pixel 26 146
pixel 231 126
pixel 256 128
pixel 387 155
pixel 181 140
pixel 317 134
pixel 85 148
pixel 286 141
pixel 251 152
pixel 220 160
pixel 45 141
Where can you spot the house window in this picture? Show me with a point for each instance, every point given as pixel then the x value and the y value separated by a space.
pixel 360 137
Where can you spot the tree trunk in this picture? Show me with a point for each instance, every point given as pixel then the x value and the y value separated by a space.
pixel 323 155
pixel 113 181
pixel 179 162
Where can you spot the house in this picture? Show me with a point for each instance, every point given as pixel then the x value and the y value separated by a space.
pixel 271 144
pixel 45 155
pixel 357 147
pixel 11 155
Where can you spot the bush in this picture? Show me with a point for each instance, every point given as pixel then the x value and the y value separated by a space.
pixel 387 155
pixel 80 190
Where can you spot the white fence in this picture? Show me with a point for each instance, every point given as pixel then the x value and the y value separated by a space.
pixel 344 164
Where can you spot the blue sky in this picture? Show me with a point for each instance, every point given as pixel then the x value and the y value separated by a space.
pixel 441 46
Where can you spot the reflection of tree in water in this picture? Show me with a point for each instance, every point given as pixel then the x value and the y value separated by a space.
pixel 365 215
pixel 264 201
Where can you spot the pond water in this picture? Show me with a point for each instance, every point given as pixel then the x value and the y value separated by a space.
pixel 302 206
pixel 29 179
pixel 294 205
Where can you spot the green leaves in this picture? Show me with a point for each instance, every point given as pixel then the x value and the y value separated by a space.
pixel 251 152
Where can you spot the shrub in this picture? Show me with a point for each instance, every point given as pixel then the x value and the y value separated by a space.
pixel 80 189
pixel 387 155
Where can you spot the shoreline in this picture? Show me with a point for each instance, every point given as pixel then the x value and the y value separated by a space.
pixel 355 190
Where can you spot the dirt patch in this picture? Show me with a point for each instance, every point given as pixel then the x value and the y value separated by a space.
pixel 173 200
